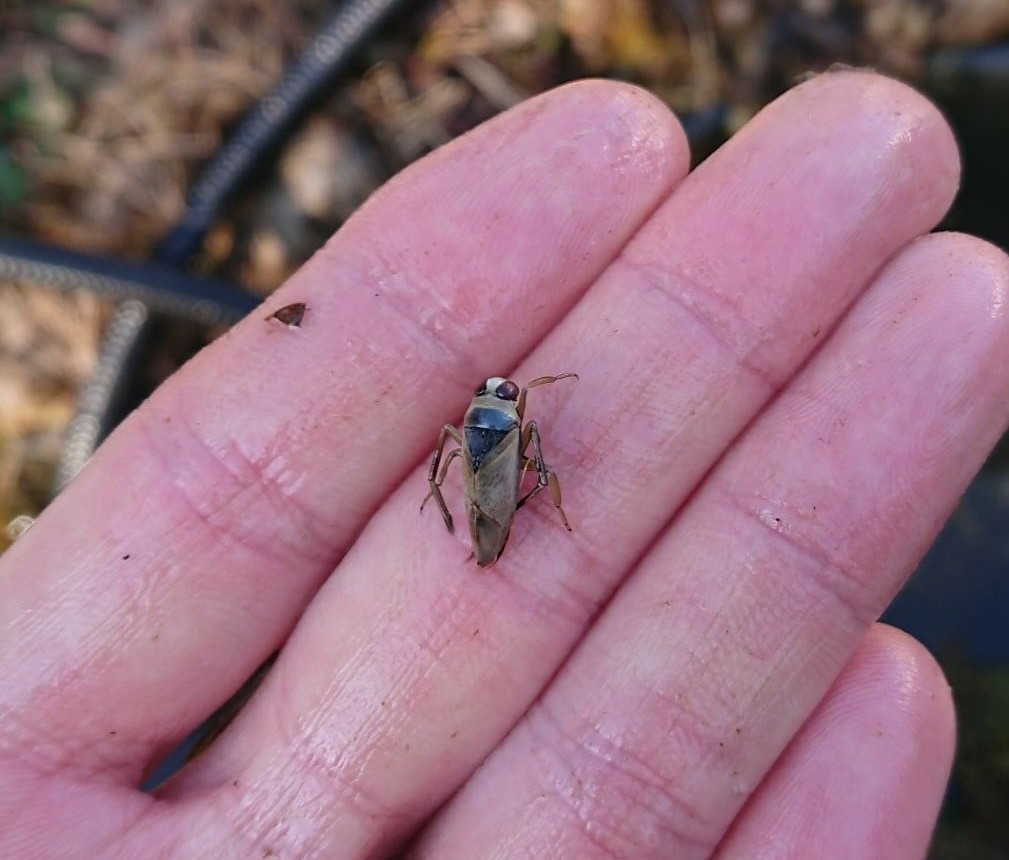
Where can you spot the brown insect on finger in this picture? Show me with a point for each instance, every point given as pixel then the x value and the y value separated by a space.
pixel 492 446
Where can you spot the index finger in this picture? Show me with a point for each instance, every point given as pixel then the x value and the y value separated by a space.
pixel 203 526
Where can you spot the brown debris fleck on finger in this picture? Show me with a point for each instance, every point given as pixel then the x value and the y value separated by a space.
pixel 290 315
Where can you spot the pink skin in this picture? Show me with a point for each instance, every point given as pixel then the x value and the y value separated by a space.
pixel 783 391
pixel 851 763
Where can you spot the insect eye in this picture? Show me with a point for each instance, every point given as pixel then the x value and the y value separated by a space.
pixel 507 390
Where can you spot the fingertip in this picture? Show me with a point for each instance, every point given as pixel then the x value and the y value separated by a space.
pixel 969 275
pixel 895 707
pixel 903 682
pixel 615 125
pixel 900 128
pixel 890 100
pixel 982 269
pixel 953 289
pixel 652 133
pixel 865 776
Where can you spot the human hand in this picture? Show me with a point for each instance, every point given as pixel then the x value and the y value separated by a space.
pixel 783 391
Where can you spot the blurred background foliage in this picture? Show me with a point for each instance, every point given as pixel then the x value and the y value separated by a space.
pixel 109 108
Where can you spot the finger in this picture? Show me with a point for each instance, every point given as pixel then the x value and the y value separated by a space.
pixel 866 775
pixel 712 656
pixel 181 556
pixel 433 663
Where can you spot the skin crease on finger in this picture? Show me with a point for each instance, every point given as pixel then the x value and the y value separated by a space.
pixel 840 789
pixel 711 657
pixel 432 667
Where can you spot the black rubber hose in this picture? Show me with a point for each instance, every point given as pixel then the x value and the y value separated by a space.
pixel 140 289
pixel 161 288
pixel 266 126
pixel 104 390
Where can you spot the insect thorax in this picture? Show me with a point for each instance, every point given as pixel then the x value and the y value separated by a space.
pixel 485 428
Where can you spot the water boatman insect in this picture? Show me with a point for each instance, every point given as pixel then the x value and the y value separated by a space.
pixel 493 446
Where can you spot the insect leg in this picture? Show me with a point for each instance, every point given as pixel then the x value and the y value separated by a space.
pixel 545 476
pixel 436 479
pixel 520 407
pixel 555 491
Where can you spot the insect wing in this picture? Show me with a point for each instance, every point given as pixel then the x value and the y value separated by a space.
pixel 492 494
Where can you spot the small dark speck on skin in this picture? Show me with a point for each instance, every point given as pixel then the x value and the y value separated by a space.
pixel 290 315
pixel 112 732
pixel 476 631
pixel 268 852
pixel 126 557
pixel 156 637
pixel 739 730
pixel 235 783
pixel 816 332
pixel 454 734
